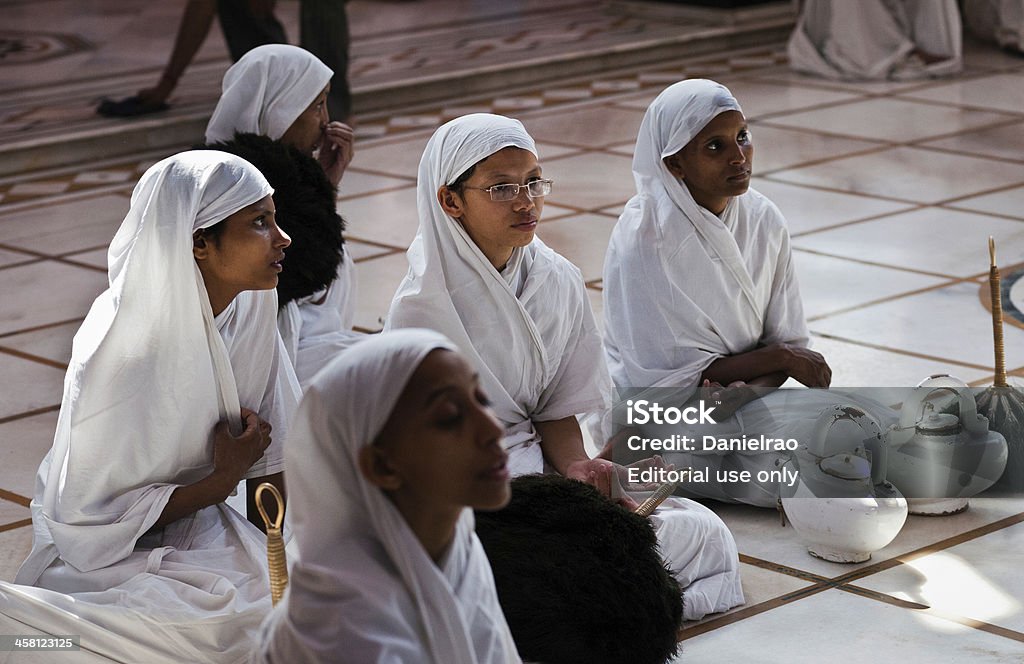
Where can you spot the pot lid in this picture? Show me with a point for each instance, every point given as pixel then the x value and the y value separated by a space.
pixel 846 466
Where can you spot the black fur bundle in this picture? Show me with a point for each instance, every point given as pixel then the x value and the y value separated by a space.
pixel 580 579
pixel 306 210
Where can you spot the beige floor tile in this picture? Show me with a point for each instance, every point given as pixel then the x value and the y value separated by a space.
pixel 591 181
pixel 862 87
pixel 910 174
pixel 14 548
pixel 357 183
pixel 597 306
pixel 776 147
pixel 23 444
pixel 397 158
pixel 979 579
pixel 359 251
pixel 389 218
pixel 836 626
pixel 808 209
pixel 947 242
pixel 1006 141
pixel 29 385
pixel 552 211
pixel 583 239
pixel 11 512
pixel 65 227
pixel 758 97
pixel 831 284
pixel 759 534
pixel 52 343
pixel 47 292
pixel 854 365
pixel 14 258
pixel 93 257
pixel 890 119
pixel 378 280
pixel 759 585
pixel 1009 202
pixel 590 127
pixel 997 92
pixel 949 323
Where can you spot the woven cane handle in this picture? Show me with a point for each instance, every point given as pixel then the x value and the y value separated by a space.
pixel 647 507
pixel 276 560
pixel 997 315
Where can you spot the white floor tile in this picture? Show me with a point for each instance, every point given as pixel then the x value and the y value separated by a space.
pixel 14 548
pixel 65 227
pixel 389 218
pixel 583 239
pixel 47 292
pixel 1006 141
pixel 38 385
pixel 780 147
pixel 52 343
pixel 808 209
pixel 378 280
pixel 591 181
pixel 1001 92
pixel 590 127
pixel 23 444
pixel 1009 202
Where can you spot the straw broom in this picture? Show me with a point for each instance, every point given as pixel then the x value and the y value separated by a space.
pixel 1002 404
pixel 276 560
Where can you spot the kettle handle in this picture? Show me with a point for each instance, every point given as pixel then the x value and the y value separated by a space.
pixel 873 441
pixel 913 408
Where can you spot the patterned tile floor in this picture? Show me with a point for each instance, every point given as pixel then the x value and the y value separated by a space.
pixel 891 191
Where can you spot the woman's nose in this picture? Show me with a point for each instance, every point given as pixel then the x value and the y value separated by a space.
pixel 283 239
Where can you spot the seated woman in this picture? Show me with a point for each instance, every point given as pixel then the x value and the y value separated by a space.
pixel 877 39
pixel 392 445
pixel 700 287
pixel 273 113
pixel 177 378
pixel 520 313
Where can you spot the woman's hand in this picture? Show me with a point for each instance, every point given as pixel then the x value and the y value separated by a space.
pixel 604 476
pixel 655 462
pixel 234 456
pixel 336 150
pixel 807 367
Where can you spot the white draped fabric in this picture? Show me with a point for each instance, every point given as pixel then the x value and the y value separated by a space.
pixel 365 590
pixel 531 334
pixel 152 372
pixel 263 93
pixel 877 39
pixel 999 20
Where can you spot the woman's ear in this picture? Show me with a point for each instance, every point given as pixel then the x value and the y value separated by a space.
pixel 200 246
pixel 373 464
pixel 450 202
pixel 674 166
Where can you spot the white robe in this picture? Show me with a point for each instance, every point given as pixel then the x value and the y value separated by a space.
pixel 1001 21
pixel 530 332
pixel 263 93
pixel 876 39
pixel 152 372
pixel 364 590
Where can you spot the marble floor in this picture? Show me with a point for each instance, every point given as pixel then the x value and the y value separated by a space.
pixel 891 191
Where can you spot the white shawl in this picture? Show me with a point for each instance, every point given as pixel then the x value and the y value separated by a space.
pixel 265 91
pixel 365 590
pixel 682 286
pixel 152 372
pixel 528 330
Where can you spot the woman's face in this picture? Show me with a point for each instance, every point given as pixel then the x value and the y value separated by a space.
pixel 245 254
pixel 307 131
pixel 497 227
pixel 440 449
pixel 716 164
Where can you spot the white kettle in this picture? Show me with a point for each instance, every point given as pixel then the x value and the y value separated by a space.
pixel 841 505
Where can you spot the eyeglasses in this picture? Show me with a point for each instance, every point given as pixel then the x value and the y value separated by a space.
pixel 509 192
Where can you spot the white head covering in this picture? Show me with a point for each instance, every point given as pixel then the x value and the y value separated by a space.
pixel 360 563
pixel 529 329
pixel 683 286
pixel 265 91
pixel 150 374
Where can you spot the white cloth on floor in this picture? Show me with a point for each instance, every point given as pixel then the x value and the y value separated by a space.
pixel 876 39
pixel 151 373
pixel 265 91
pixel 318 327
pixel 530 332
pixel 1001 21
pixel 364 589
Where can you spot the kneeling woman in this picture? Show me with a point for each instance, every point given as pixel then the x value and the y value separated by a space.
pixel 392 445
pixel 520 313
pixel 177 378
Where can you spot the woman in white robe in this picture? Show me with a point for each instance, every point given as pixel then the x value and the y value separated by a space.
pixel 134 547
pixel 877 39
pixel 280 91
pixel 519 312
pixel 392 444
pixel 700 288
